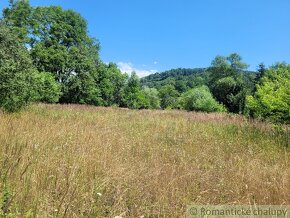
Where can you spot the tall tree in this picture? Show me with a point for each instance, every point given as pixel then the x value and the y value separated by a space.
pixel 17 74
pixel 18 17
pixel 111 83
pixel 152 96
pixel 168 95
pixel 59 43
pixel 227 83
pixel 133 97
pixel 261 72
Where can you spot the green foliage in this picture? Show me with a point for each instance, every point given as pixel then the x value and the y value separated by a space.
pixel 59 43
pixel 133 97
pixel 56 41
pixel 48 89
pixel 152 96
pixel 235 83
pixel 182 79
pixel 16 72
pixel 272 98
pixel 261 72
pixel 5 201
pixel 81 88
pixel 200 99
pixel 168 95
pixel 111 84
pixel 228 82
pixel 18 18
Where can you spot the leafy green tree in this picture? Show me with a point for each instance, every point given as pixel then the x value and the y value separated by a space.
pixel 18 18
pixel 81 88
pixel 16 72
pixel 168 95
pixel 59 43
pixel 111 83
pixel 272 98
pixel 227 81
pixel 133 97
pixel 261 72
pixel 200 99
pixel 152 96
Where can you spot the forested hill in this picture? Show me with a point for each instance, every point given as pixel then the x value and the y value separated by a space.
pixel 181 78
pixel 187 75
pixel 177 73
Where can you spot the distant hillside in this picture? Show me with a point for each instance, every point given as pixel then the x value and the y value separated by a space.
pixel 182 78
pixel 185 75
pixel 180 72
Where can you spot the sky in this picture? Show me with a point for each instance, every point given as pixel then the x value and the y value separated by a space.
pixel 157 35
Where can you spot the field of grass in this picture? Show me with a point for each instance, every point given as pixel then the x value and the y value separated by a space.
pixel 81 161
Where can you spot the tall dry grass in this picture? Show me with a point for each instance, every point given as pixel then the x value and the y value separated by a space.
pixel 80 161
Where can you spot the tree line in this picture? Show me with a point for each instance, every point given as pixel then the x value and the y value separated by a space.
pixel 47 55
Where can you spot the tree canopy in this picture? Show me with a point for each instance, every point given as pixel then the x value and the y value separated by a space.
pixel 47 55
pixel 228 83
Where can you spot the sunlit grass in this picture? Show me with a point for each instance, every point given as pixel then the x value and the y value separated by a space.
pixel 81 161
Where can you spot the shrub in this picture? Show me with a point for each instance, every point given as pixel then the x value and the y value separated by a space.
pixel 168 95
pixel 272 98
pixel 200 99
pixel 152 96
pixel 48 88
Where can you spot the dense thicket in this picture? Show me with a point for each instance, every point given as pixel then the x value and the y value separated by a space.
pixel 57 41
pixel 20 82
pixel 47 55
pixel 16 72
pixel 228 82
pixel 272 98
pixel 200 99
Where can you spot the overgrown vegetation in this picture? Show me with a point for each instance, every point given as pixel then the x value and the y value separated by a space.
pixel 272 98
pixel 20 82
pixel 200 99
pixel 59 62
pixel 75 160
pixel 81 161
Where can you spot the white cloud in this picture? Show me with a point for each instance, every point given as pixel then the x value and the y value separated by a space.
pixel 129 68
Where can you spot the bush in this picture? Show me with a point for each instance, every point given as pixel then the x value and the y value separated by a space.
pixel 200 99
pixel 16 72
pixel 48 88
pixel 272 98
pixel 81 89
pixel 133 97
pixel 168 95
pixel 152 96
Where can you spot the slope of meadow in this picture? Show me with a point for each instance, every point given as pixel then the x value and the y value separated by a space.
pixel 80 161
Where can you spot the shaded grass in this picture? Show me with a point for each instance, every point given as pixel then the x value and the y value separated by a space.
pixel 81 161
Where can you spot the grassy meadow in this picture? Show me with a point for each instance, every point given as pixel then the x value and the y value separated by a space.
pixel 84 161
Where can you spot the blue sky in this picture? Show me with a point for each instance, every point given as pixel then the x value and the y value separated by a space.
pixel 157 35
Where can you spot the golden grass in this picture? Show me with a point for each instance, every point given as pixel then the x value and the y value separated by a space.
pixel 81 161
